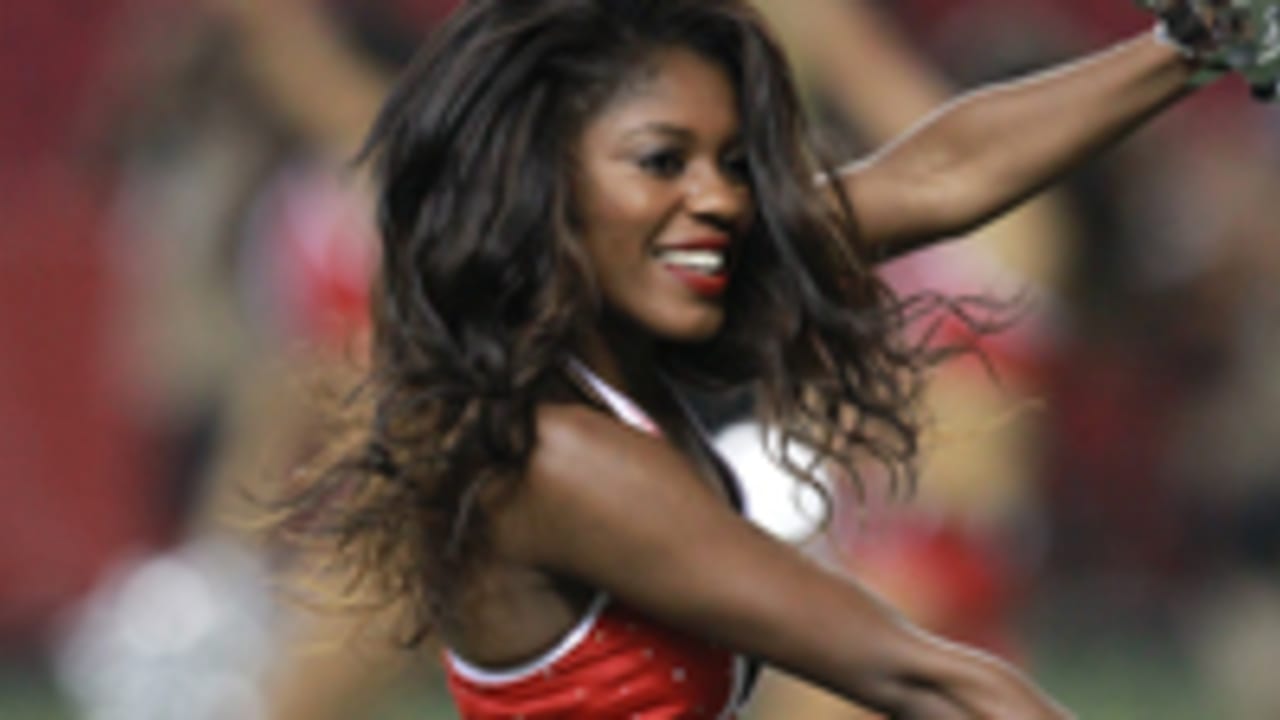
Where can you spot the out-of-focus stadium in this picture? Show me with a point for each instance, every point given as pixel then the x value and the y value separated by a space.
pixel 183 241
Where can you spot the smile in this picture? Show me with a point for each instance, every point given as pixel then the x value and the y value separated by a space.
pixel 702 267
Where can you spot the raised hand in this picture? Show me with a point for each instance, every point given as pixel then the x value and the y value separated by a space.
pixel 1226 35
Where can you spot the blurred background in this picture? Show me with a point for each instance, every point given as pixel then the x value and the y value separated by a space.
pixel 183 240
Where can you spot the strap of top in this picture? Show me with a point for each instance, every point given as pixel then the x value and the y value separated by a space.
pixel 627 410
pixel 630 412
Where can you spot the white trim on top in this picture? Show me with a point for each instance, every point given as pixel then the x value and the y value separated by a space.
pixel 627 410
pixel 566 644
pixel 737 692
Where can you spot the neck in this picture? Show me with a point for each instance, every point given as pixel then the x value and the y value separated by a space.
pixel 623 356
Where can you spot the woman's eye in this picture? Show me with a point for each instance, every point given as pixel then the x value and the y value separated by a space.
pixel 667 163
pixel 736 167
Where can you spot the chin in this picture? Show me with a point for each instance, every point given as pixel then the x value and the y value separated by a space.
pixel 696 328
pixel 682 321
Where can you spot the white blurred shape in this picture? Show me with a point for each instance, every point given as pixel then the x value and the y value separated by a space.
pixel 774 499
pixel 187 634
pixel 164 608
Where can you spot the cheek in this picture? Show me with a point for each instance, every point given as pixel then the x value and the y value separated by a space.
pixel 623 207
pixel 618 229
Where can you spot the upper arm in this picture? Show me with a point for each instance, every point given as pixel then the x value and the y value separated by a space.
pixel 626 513
pixel 901 206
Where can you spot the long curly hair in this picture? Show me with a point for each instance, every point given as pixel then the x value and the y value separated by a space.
pixel 483 283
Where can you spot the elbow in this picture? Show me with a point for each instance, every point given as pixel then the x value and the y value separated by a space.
pixel 948 203
pixel 966 199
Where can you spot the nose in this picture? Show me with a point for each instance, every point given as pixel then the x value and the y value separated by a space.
pixel 719 197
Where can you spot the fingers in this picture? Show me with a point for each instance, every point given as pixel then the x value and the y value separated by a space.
pixel 1220 35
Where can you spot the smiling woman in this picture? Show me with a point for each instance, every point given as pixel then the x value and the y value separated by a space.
pixel 584 202
pixel 663 197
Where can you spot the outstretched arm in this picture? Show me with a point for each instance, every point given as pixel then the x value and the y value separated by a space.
pixel 625 513
pixel 988 150
pixel 858 57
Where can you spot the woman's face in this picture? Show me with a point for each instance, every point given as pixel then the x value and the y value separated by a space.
pixel 662 199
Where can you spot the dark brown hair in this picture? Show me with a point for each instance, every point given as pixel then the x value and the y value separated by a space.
pixel 482 282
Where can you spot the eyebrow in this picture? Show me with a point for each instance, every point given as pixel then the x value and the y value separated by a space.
pixel 677 132
pixel 661 128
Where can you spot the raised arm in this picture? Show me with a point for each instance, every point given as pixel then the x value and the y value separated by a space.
pixel 626 513
pixel 990 149
pixel 296 54
pixel 857 56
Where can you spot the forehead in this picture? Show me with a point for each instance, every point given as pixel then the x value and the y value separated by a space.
pixel 679 88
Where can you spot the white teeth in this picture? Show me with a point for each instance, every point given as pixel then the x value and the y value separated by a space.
pixel 703 261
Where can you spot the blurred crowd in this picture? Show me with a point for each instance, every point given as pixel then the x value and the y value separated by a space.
pixel 186 243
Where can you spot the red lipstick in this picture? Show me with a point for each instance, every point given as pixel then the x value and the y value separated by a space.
pixel 709 286
pixel 702 281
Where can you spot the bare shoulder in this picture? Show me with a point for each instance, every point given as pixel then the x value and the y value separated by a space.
pixel 590 474
pixel 572 438
pixel 580 450
pixel 626 512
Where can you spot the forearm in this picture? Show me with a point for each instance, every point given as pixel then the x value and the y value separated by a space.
pixel 992 148
pixel 871 654
pixel 938 679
